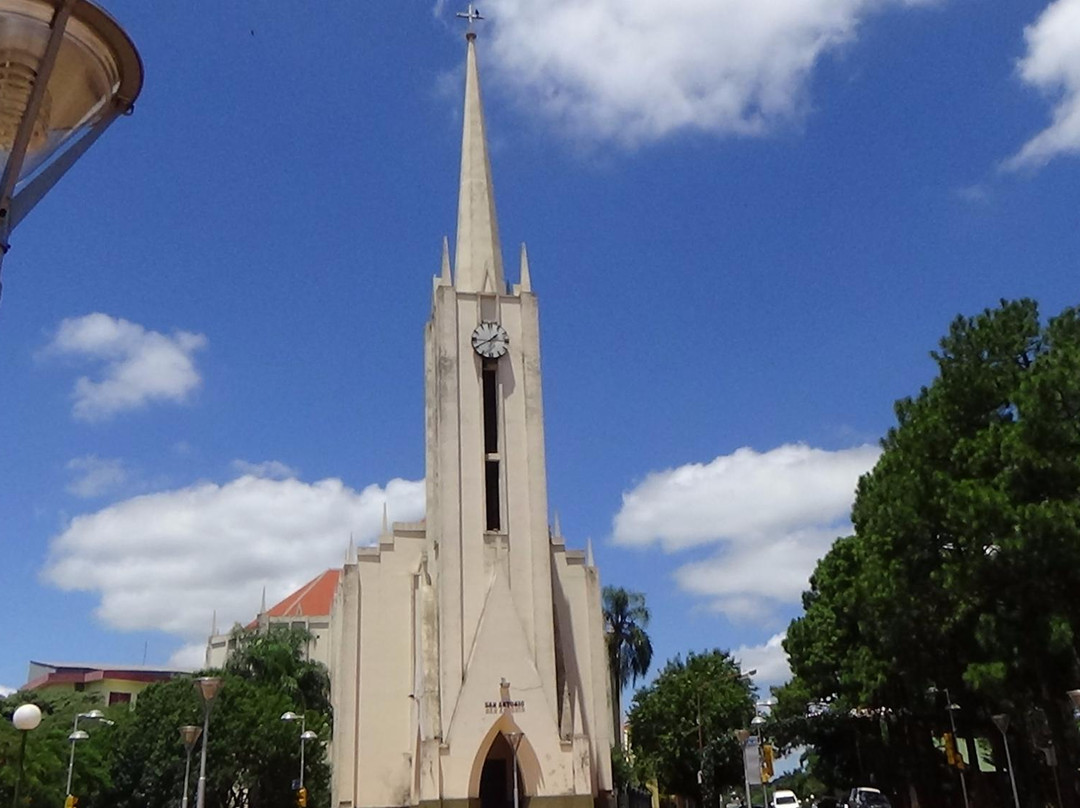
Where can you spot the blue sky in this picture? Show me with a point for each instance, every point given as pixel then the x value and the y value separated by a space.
pixel 749 221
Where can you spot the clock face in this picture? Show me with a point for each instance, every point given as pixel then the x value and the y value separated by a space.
pixel 490 340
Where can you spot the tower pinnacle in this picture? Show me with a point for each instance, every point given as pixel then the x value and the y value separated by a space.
pixel 477 252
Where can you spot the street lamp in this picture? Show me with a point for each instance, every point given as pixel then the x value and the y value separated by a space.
pixel 25 718
pixel 951 707
pixel 758 721
pixel 305 735
pixel 744 735
pixel 81 735
pixel 1001 721
pixel 515 741
pixel 189 735
pixel 208 687
pixel 67 71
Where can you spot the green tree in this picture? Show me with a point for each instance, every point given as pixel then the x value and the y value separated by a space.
pixel 48 750
pixel 253 756
pixel 628 645
pixel 685 721
pixel 965 554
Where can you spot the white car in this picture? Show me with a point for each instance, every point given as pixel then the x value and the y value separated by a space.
pixel 785 799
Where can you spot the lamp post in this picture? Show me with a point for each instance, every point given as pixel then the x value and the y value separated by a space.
pixel 208 687
pixel 758 721
pixel 951 707
pixel 1001 721
pixel 67 71
pixel 744 735
pixel 515 741
pixel 305 735
pixel 81 735
pixel 25 718
pixel 189 735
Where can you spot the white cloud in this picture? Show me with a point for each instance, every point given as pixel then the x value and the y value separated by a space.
pixel 1052 65
pixel 96 476
pixel 637 70
pixel 271 469
pixel 167 560
pixel 190 656
pixel 6 691
pixel 771 516
pixel 770 660
pixel 139 366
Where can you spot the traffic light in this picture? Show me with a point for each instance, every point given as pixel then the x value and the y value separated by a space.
pixel 766 762
pixel 301 797
pixel 950 755
pixel 71 801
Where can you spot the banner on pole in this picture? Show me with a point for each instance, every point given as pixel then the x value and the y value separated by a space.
pixel 752 761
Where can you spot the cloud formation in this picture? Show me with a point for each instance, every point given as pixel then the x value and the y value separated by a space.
pixel 1052 65
pixel 637 70
pixel 769 660
pixel 138 366
pixel 271 469
pixel 770 515
pixel 95 476
pixel 165 560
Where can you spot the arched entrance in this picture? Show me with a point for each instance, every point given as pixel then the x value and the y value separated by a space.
pixel 497 777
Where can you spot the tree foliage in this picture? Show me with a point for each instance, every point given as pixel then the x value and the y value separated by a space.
pixel 685 721
pixel 253 756
pixel 48 749
pixel 964 558
pixel 628 645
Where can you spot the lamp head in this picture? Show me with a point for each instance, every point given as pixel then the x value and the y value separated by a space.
pixel 757 721
pixel 93 715
pixel 26 717
pixel 290 716
pixel 189 735
pixel 78 735
pixel 208 687
pixel 308 735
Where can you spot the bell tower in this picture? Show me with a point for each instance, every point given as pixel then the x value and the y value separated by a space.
pixel 486 478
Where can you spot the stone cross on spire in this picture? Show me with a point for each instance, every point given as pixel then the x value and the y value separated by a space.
pixel 472 15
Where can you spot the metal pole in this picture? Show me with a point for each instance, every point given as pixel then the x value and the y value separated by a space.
pixel 1012 776
pixel 187 779
pixel 515 777
pixel 19 776
pixel 71 759
pixel 200 794
pixel 301 760
pixel 952 724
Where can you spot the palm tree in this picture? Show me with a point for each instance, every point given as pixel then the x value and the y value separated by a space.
pixel 629 648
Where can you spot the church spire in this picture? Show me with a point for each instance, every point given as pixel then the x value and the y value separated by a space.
pixel 477 252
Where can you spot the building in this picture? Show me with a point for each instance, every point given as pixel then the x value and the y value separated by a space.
pixel 307 608
pixel 475 638
pixel 466 652
pixel 116 684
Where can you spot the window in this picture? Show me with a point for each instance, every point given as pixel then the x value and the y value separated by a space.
pixel 491 408
pixel 119 698
pixel 492 488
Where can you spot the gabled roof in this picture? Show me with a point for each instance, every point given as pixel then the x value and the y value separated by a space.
pixel 313 599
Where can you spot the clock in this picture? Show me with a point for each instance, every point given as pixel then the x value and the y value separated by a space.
pixel 490 340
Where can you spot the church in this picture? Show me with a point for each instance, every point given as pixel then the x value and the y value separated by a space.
pixel 466 652
pixel 474 639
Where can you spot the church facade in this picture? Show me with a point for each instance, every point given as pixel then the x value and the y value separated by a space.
pixel 466 652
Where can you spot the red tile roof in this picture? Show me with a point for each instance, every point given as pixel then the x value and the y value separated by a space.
pixel 313 599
